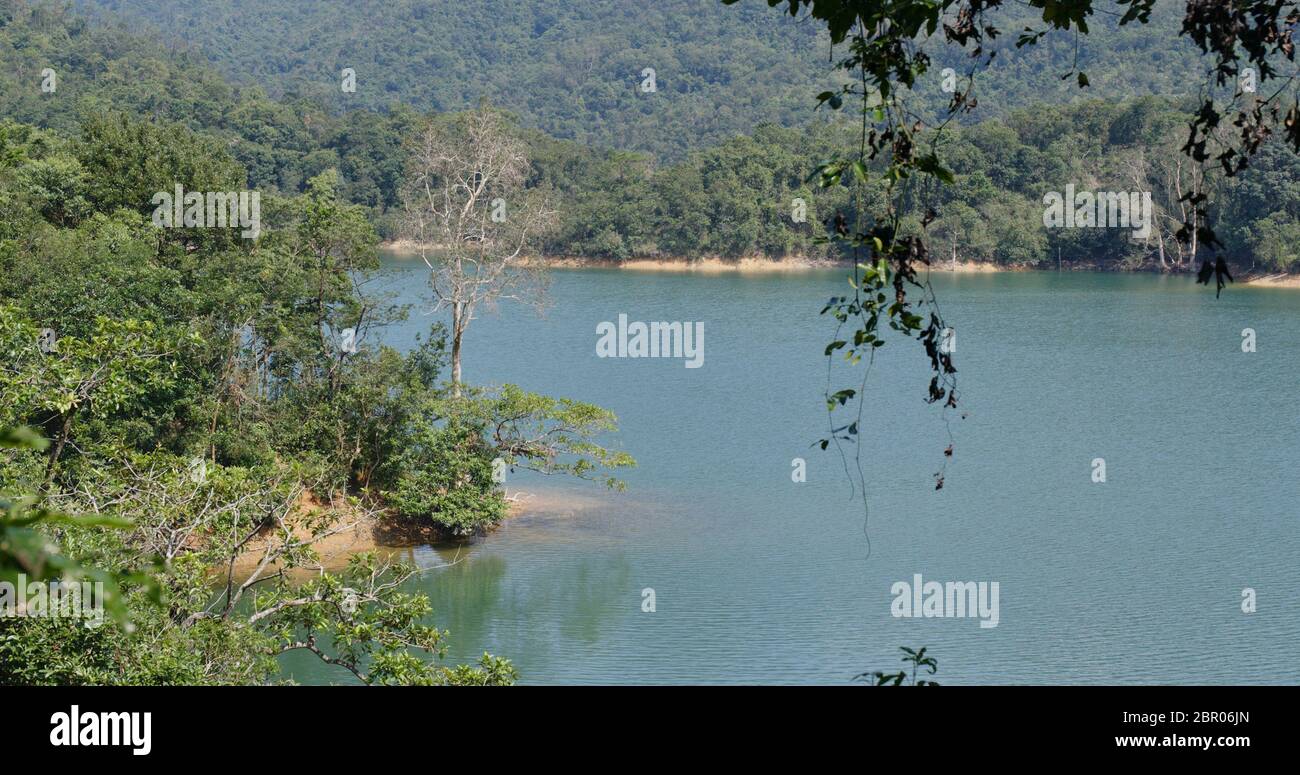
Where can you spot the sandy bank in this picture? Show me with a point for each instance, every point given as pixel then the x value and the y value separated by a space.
pixel 749 265
pixel 1274 281
pixel 400 246
pixel 354 533
pixel 972 267
pixel 763 265
pixel 703 266
pixel 756 264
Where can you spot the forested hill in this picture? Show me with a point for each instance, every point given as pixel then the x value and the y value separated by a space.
pixel 574 69
pixel 100 69
pixel 731 199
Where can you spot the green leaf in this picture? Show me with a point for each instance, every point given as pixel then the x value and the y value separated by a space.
pixel 23 438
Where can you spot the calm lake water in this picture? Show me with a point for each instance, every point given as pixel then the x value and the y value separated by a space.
pixel 761 579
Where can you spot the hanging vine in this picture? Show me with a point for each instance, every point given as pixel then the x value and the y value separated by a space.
pixel 885 60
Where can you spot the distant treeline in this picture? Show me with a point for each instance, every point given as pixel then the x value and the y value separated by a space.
pixel 577 70
pixel 742 197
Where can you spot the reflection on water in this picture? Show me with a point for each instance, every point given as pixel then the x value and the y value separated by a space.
pixel 760 579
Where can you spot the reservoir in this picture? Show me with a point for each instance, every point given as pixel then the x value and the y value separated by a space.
pixel 757 578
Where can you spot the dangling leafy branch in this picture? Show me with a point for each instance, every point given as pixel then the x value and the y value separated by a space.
pixel 886 58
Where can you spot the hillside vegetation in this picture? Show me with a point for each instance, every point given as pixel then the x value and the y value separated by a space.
pixel 574 69
pixel 734 196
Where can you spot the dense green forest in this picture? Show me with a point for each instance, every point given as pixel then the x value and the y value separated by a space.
pixel 574 70
pixel 195 389
pixel 211 407
pixel 731 198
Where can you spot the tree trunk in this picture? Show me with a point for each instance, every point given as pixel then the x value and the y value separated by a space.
pixel 457 331
pixel 55 451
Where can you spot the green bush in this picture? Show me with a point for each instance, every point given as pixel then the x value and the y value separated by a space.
pixel 445 480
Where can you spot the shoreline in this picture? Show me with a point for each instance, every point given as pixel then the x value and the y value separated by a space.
pixel 388 536
pixel 1277 280
pixel 793 264
pixel 715 265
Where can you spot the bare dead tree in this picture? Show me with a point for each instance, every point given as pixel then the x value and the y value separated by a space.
pixel 469 210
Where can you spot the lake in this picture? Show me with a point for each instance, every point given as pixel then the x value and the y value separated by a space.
pixel 761 579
